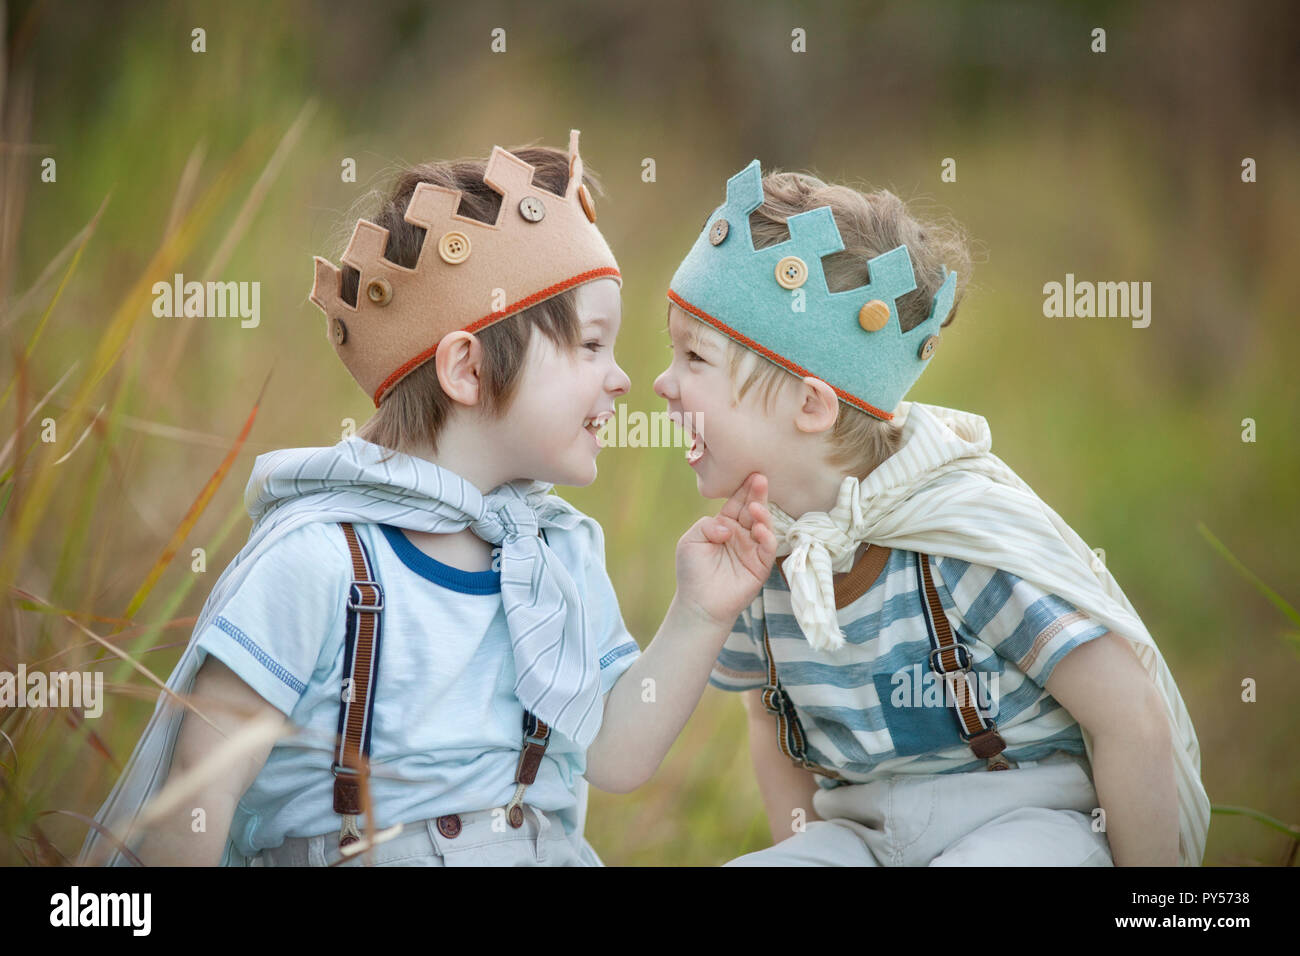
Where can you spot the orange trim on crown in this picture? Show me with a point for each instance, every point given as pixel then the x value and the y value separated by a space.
pixel 487 320
pixel 769 354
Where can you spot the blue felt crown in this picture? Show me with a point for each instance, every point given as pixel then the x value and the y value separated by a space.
pixel 852 340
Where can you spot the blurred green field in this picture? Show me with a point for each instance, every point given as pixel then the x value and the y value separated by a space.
pixel 1132 435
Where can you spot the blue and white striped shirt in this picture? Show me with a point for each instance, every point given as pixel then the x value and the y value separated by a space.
pixel 873 708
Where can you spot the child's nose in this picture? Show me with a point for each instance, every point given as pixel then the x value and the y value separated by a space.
pixel 662 385
pixel 622 383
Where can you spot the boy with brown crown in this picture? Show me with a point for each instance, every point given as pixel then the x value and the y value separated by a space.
pixel 437 628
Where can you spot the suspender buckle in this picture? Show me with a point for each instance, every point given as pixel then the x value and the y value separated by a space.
pixel 357 598
pixel 535 728
pixel 347 792
pixel 773 698
pixel 536 736
pixel 959 650
pixel 987 743
pixel 530 761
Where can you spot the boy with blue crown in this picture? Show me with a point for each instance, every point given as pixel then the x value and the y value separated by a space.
pixel 938 670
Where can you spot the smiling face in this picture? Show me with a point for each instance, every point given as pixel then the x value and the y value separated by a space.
pixel 565 395
pixel 731 437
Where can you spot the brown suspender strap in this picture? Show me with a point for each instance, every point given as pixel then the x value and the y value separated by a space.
pixel 789 732
pixel 360 671
pixel 536 736
pixel 952 660
pixel 356 709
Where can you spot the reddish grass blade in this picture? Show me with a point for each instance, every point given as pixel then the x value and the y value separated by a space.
pixel 75 721
pixel 196 510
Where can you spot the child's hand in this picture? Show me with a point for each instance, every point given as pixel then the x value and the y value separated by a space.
pixel 723 561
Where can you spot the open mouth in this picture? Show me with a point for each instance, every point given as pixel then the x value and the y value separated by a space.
pixel 697 448
pixel 696 451
pixel 687 422
pixel 595 424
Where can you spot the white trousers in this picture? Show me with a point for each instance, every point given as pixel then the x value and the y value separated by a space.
pixel 1037 814
pixel 541 841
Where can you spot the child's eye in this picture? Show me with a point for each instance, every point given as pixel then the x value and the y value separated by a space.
pixel 692 357
pixel 593 345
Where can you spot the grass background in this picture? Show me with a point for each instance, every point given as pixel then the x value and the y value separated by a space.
pixel 1115 166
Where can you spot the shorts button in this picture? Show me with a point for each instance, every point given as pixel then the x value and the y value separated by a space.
pixel 454 247
pixel 340 332
pixel 718 231
pixel 449 826
pixel 791 272
pixel 588 206
pixel 532 209
pixel 873 316
pixel 928 346
pixel 516 816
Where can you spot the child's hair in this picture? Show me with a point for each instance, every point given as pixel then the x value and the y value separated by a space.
pixel 415 410
pixel 869 224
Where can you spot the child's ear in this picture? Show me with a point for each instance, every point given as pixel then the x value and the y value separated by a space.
pixel 458 359
pixel 818 406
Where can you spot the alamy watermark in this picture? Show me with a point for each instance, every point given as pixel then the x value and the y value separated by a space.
pixel 1128 300
pixel 639 429
pixel 918 686
pixel 83 689
pixel 209 300
pixel 130 910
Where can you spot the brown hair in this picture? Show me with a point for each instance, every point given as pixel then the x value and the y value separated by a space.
pixel 415 409
pixel 869 224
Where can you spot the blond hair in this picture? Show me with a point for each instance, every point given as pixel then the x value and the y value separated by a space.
pixel 869 224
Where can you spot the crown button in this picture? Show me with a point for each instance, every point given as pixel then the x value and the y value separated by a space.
pixel 588 205
pixel 379 291
pixel 532 209
pixel 453 247
pixel 718 231
pixel 791 272
pixel 340 332
pixel 928 346
pixel 873 316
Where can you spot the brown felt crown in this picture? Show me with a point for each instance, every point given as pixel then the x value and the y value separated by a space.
pixel 469 274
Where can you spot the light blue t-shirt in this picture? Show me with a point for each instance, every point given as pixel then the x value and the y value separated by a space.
pixel 447 727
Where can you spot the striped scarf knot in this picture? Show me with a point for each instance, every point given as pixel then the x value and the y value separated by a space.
pixel 506 520
pixel 820 544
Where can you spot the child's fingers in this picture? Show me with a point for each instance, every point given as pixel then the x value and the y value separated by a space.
pixel 757 494
pixel 755 489
pixel 715 532
pixel 734 506
pixel 766 541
